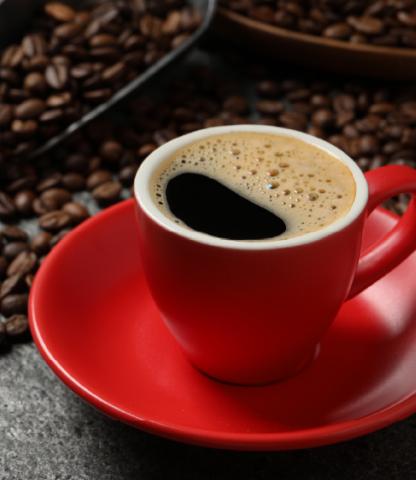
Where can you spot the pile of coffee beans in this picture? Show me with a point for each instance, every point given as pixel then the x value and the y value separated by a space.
pixel 387 23
pixel 48 197
pixel 70 60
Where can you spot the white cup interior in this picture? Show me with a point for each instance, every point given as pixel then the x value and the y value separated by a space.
pixel 145 173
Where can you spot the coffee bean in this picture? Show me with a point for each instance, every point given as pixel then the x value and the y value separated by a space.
pixel 82 71
pixel 13 233
pixel 60 11
pixel 12 56
pixel 40 243
pixel 17 327
pixel 23 264
pixel 267 88
pixel 55 198
pixel 107 193
pixel 6 115
pixel 67 30
pixel 76 211
pixel 33 45
pixel 114 73
pixel 111 151
pixel 103 40
pixel 7 207
pixel 13 284
pixel 14 304
pixel 12 249
pixel 24 127
pixel 58 100
pixel 54 221
pixel 295 120
pixel 269 107
pixel 56 75
pixel 127 175
pixel 76 162
pixel 340 31
pixel 51 116
pixel 147 149
pixel 30 109
pixel 97 96
pixel 35 83
pixel 97 178
pixel 73 182
pixel 323 118
pixel 23 202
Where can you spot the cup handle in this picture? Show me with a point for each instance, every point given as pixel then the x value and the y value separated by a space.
pixel 395 246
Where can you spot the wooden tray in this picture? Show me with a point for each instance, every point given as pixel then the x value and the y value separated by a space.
pixel 317 52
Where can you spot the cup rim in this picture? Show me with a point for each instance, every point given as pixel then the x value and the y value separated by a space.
pixel 151 163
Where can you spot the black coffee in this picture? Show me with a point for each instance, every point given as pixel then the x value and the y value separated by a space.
pixel 207 206
pixel 253 186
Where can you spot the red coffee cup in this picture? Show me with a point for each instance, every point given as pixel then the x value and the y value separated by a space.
pixel 255 312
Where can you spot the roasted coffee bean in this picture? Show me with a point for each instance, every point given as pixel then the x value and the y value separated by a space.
pixel 97 178
pixel 147 149
pixel 23 264
pixel 7 207
pixel 76 211
pixel 51 181
pixel 55 198
pixel 35 83
pixel 60 11
pixel 269 107
pixel 58 100
pixel 54 221
pixel 97 96
pixel 127 175
pixel 13 233
pixel 33 45
pixel 6 115
pixel 24 202
pixel 12 284
pixel 24 127
pixel 52 116
pixel 107 193
pixel 76 162
pixel 17 327
pixel 11 250
pixel 12 56
pixel 323 118
pixel 41 243
pixel 56 75
pixel 30 109
pixel 73 182
pixel 14 304
pixel 111 151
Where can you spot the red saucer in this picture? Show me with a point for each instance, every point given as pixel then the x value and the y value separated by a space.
pixel 97 327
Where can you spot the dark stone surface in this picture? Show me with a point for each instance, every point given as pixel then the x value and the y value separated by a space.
pixel 46 432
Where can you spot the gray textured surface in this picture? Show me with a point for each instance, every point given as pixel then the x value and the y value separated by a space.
pixel 46 432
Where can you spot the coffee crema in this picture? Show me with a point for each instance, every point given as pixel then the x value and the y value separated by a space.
pixel 303 186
